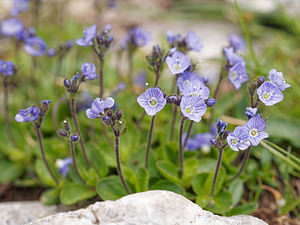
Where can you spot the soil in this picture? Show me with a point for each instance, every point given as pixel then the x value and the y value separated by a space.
pixel 11 193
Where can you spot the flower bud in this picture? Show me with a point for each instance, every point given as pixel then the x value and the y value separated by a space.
pixel 250 112
pixel 173 99
pixel 221 125
pixel 74 138
pixel 107 120
pixel 67 83
pixel 210 102
pixel 260 81
pixel 215 142
pixel 67 125
pixel 45 105
pixel 62 133
pixel 225 134
pixel 119 115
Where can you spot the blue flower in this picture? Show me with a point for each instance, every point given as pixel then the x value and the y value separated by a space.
pixel 12 27
pixel 98 106
pixel 250 112
pixel 51 52
pixel 19 6
pixel 88 70
pixel 152 100
pixel 178 62
pixel 210 102
pixel 255 128
pixel 221 126
pixel 171 37
pixel 63 165
pixel 193 107
pixel 238 139
pixel 26 34
pixel 7 68
pixel 88 35
pixel 193 41
pixel 35 46
pixel 196 88
pixel 141 37
pixel 277 79
pixel 238 75
pixel 27 115
pixel 232 57
pixel 186 78
pixel 237 42
pixel 269 93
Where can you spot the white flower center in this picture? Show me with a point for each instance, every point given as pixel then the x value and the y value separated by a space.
pixel 153 101
pixel 253 132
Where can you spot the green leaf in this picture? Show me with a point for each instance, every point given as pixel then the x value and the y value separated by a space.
pixel 198 183
pixel 222 202
pixel 190 169
pixel 50 196
pixel 247 208
pixel 110 188
pixel 168 170
pixel 168 185
pixel 98 162
pixel 290 205
pixel 73 192
pixel 10 171
pixel 142 179
pixel 236 188
pixel 206 165
pixel 43 173
pixel 203 200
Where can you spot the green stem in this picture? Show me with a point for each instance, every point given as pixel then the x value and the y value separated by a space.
pixel 244 163
pixel 188 133
pixel 149 142
pixel 119 164
pixel 74 161
pixel 74 115
pixel 38 133
pixel 181 147
pixel 217 170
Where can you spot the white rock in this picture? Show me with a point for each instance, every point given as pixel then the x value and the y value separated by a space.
pixel 147 208
pixel 16 213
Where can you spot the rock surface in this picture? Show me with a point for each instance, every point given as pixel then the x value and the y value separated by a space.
pixel 147 208
pixel 17 213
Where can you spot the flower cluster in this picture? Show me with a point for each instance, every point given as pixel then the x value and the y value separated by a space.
pixel 65 132
pixel 136 37
pixel 88 72
pixel 236 66
pixel 190 42
pixel 7 68
pixel 107 112
pixel 270 92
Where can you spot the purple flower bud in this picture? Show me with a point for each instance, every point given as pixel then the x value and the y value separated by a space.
pixel 173 99
pixel 45 104
pixel 260 81
pixel 210 102
pixel 51 52
pixel 250 112
pixel 67 126
pixel 74 137
pixel 62 133
pixel 215 142
pixel 69 44
pixel 67 83
pixel 221 125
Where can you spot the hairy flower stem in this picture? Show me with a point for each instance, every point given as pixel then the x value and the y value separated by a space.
pixel 38 133
pixel 244 163
pixel 149 142
pixel 156 78
pixel 6 112
pixel 174 110
pixel 215 95
pixel 101 78
pixel 188 133
pixel 181 147
pixel 73 111
pixel 74 161
pixel 217 170
pixel 119 164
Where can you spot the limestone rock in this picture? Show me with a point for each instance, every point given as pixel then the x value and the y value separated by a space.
pixel 147 208
pixel 17 213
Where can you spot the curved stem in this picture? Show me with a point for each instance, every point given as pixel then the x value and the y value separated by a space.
pixel 6 112
pixel 119 164
pixel 74 161
pixel 101 78
pixel 38 133
pixel 173 122
pixel 149 142
pixel 244 163
pixel 180 148
pixel 73 111
pixel 188 133
pixel 217 171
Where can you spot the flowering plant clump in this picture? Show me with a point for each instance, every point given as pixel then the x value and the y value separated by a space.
pixel 141 111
